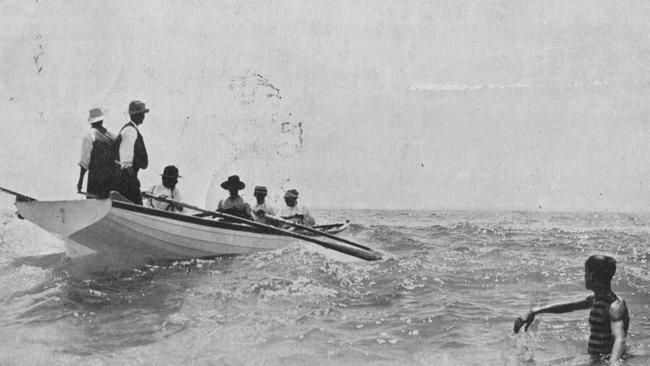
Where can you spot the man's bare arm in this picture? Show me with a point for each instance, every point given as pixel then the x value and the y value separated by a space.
pixel 618 349
pixel 617 312
pixel 553 309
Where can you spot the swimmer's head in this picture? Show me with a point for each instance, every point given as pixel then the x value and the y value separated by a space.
pixel 600 269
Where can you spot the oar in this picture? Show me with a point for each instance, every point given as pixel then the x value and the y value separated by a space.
pixel 366 254
pixel 88 195
pixel 19 196
pixel 315 231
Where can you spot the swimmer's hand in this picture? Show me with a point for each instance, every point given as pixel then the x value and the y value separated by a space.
pixel 528 319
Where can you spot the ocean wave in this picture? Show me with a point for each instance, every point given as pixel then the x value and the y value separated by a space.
pixel 451 286
pixel 21 238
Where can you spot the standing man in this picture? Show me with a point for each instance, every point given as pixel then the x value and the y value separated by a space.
pixel 262 208
pixel 133 153
pixel 297 214
pixel 167 189
pixel 98 155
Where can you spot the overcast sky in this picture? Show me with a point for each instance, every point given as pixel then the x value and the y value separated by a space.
pixel 375 104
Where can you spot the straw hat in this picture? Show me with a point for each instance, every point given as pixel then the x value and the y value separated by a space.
pixel 292 193
pixel 95 115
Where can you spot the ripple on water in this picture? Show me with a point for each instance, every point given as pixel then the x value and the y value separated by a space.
pixel 449 291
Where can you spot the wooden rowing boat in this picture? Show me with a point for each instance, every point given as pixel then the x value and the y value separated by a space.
pixel 131 233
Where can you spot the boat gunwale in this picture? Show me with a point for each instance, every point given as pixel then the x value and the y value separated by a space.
pixel 207 222
pixel 191 219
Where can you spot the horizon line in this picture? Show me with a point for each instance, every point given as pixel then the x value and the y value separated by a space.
pixel 496 209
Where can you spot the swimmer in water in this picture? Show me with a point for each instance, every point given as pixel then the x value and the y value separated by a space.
pixel 609 318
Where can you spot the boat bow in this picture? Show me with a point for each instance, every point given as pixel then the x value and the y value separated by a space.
pixel 64 218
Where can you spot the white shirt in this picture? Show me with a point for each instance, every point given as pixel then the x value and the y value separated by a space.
pixel 87 145
pixel 268 210
pixel 297 210
pixel 129 135
pixel 160 190
pixel 264 207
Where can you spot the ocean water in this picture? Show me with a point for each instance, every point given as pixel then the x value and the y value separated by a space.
pixel 447 294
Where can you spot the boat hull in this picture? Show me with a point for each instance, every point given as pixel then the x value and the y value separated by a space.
pixel 132 233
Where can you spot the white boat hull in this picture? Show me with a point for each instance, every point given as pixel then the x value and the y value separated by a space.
pixel 133 233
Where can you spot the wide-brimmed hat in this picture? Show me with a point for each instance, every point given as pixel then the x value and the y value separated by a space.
pixel 233 182
pixel 260 189
pixel 137 106
pixel 292 193
pixel 95 115
pixel 170 171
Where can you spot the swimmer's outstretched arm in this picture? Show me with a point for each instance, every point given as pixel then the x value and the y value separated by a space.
pixel 553 309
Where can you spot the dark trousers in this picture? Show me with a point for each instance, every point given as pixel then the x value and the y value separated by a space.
pixel 101 181
pixel 129 187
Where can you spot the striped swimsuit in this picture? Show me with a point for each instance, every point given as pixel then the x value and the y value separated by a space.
pixel 601 339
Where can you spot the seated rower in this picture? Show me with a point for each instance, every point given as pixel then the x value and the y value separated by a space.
pixel 167 189
pixel 297 214
pixel 262 208
pixel 234 204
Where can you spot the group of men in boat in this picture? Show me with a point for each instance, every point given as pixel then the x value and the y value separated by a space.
pixel 262 211
pixel 113 162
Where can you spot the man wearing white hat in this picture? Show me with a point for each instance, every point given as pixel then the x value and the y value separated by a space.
pixel 98 156
pixel 133 153
pixel 299 214
pixel 262 208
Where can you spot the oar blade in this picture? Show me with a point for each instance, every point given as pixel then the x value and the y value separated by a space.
pixel 19 196
pixel 318 232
